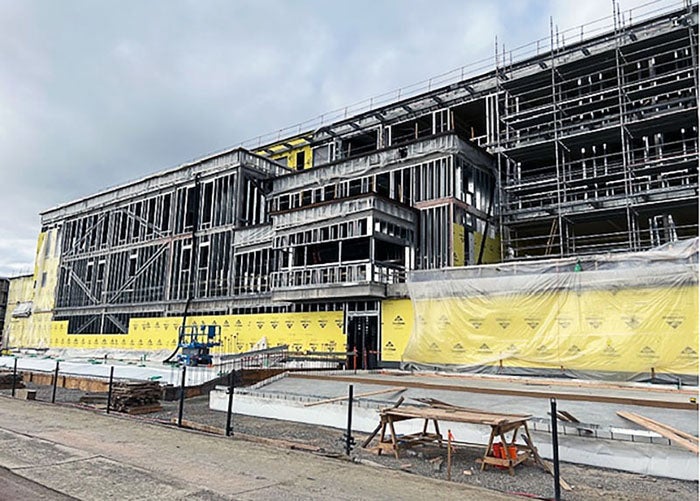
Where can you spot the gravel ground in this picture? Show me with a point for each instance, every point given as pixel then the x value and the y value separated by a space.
pixel 588 482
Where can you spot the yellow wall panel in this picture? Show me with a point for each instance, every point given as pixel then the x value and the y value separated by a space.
pixel 397 324
pixel 628 330
pixel 317 331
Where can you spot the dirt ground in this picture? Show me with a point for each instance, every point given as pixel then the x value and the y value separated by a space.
pixel 529 480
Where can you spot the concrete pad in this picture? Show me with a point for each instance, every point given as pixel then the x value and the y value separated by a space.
pixel 615 443
pixel 164 374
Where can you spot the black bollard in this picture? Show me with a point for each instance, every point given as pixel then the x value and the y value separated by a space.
pixel 14 378
pixel 349 441
pixel 555 449
pixel 229 410
pixel 182 397
pixel 109 391
pixel 55 383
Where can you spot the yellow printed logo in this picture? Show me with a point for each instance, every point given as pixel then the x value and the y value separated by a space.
pixel 476 322
pixel 689 353
pixel 647 352
pixel 513 349
pixel 389 346
pixel 458 348
pixel 503 322
pixel 610 351
pixel 532 323
pixel 573 350
pixel 398 320
pixel 632 322
pixel 564 322
pixel 594 322
pixel 674 321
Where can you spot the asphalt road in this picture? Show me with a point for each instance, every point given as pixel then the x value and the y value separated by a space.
pixel 92 456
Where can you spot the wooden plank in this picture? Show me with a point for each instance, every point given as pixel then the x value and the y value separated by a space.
pixel 680 433
pixel 396 389
pixel 545 465
pixel 664 430
pixel 569 417
pixel 619 400
pixel 456 415
pixel 146 409
pixel 379 426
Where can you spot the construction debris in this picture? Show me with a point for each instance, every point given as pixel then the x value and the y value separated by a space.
pixel 136 398
pixel 6 380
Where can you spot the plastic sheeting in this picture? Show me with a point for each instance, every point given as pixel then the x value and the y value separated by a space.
pixel 623 316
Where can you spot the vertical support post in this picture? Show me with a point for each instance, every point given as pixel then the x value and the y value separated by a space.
pixel 348 433
pixel 14 378
pixel 55 383
pixel 449 454
pixel 109 391
pixel 229 409
pixel 181 407
pixel 555 449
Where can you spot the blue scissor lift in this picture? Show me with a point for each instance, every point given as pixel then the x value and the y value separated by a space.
pixel 195 343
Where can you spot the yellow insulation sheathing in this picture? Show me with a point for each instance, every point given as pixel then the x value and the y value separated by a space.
pixel 619 330
pixel 316 332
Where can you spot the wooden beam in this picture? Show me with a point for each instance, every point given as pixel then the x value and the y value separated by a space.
pixel 676 436
pixel 545 465
pixel 396 389
pixel 379 426
pixel 619 400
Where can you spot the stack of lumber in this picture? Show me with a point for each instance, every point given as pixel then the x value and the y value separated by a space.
pixel 98 400
pixel 6 380
pixel 136 398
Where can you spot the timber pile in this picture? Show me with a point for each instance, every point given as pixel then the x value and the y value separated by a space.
pixel 6 380
pixel 136 398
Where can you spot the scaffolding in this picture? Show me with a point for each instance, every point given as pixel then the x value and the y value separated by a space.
pixel 580 143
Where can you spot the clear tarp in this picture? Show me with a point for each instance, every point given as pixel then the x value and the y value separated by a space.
pixel 625 316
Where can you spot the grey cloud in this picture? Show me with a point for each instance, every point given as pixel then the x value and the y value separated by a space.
pixel 93 94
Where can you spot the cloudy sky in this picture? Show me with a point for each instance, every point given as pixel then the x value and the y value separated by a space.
pixel 95 93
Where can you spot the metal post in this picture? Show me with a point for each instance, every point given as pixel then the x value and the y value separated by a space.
pixel 229 409
pixel 349 441
pixel 14 378
pixel 55 382
pixel 182 397
pixel 555 449
pixel 109 391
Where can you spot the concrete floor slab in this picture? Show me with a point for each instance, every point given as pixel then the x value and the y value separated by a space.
pixel 614 443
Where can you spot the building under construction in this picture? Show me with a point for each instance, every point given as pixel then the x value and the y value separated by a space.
pixel 582 143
